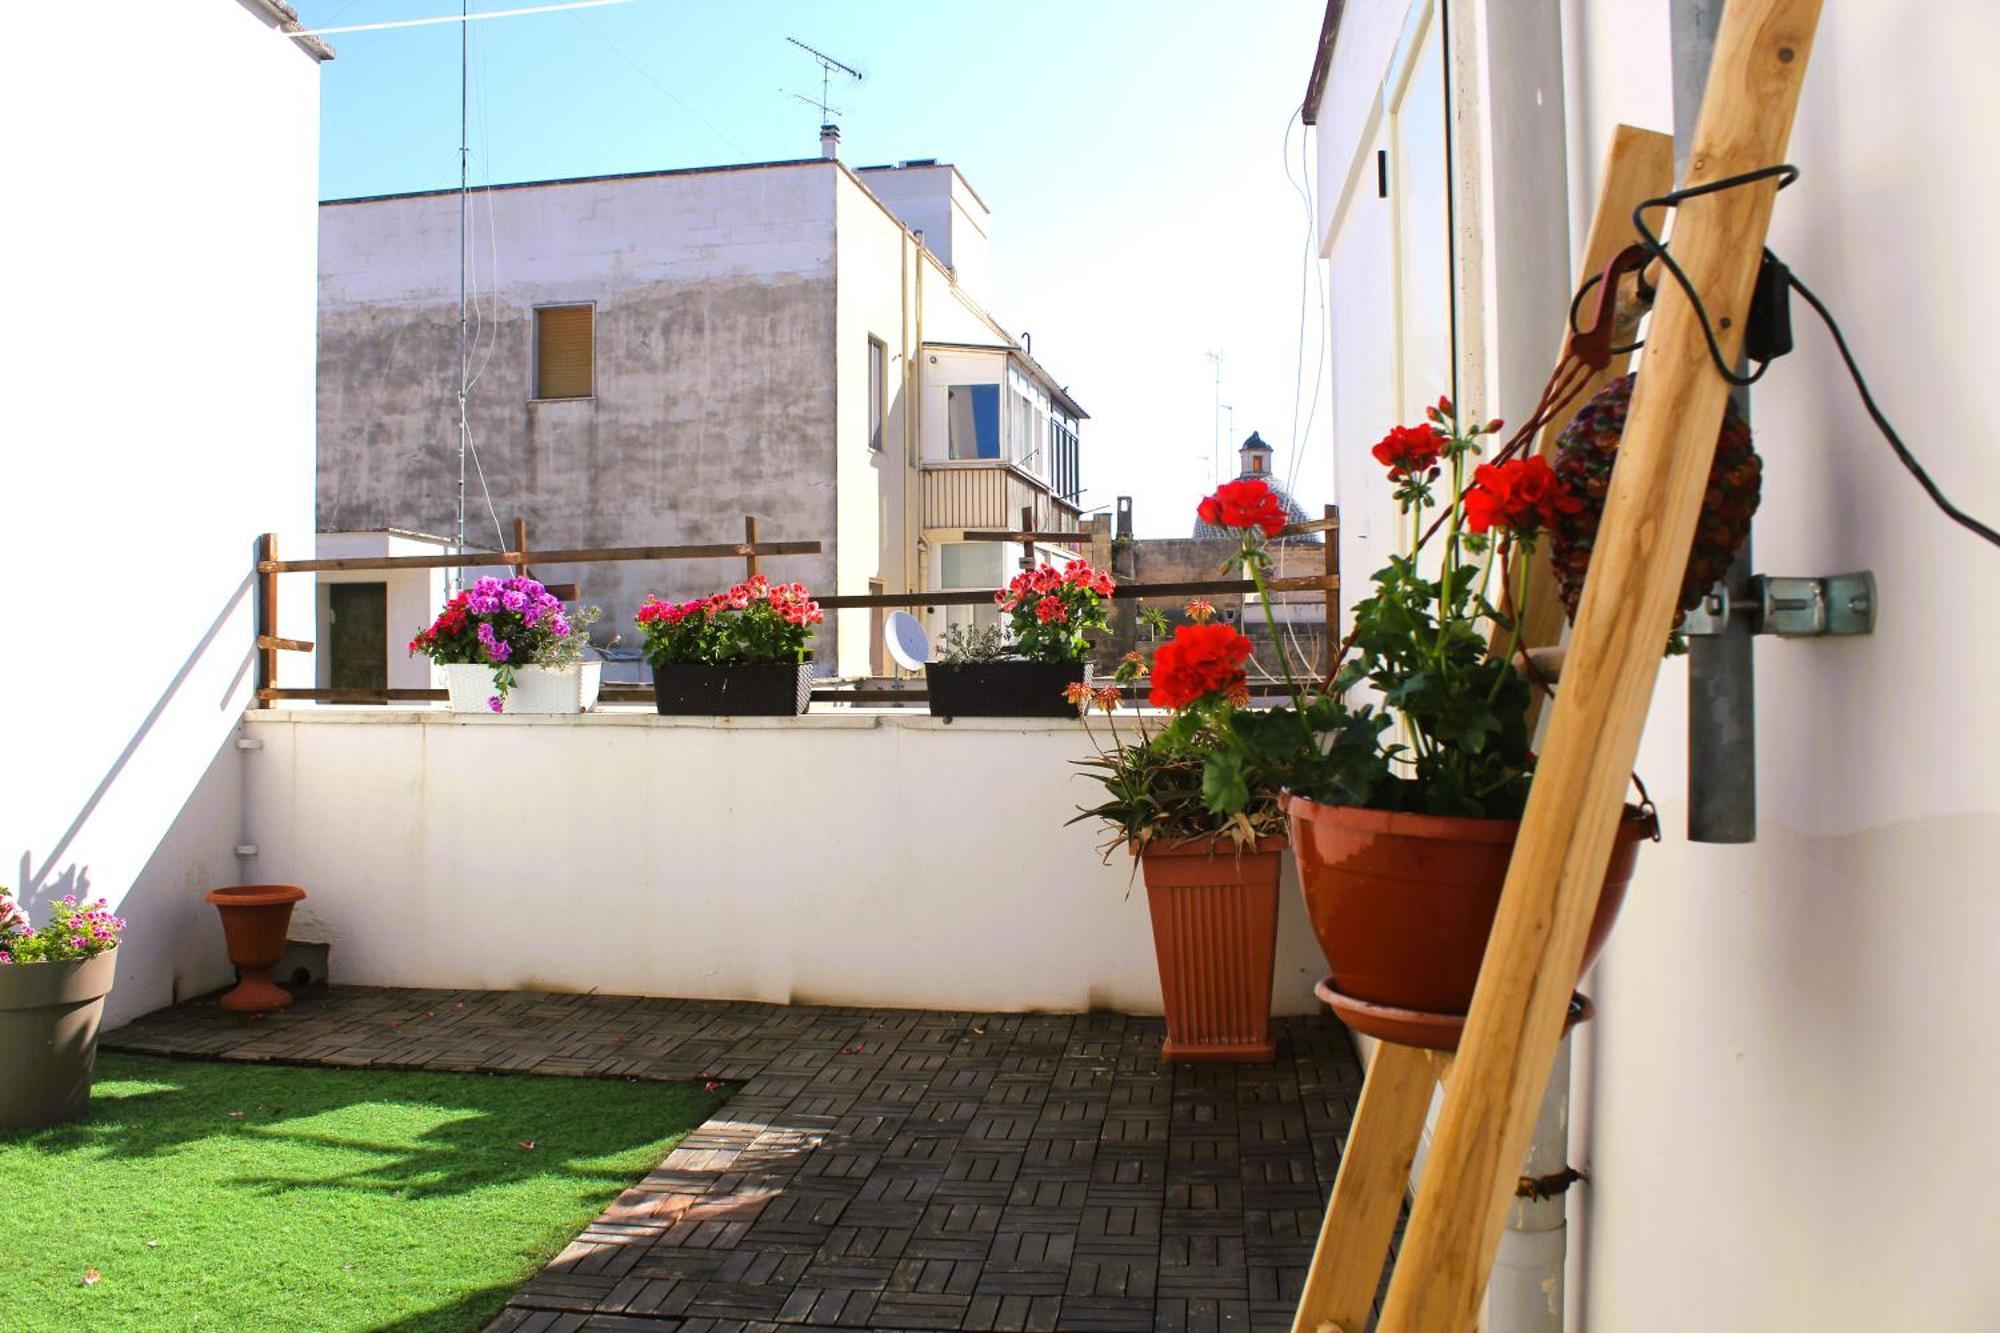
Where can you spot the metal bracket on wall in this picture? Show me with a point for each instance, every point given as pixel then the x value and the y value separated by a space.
pixel 1792 608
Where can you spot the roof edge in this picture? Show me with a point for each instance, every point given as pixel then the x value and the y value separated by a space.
pixel 1329 29
pixel 285 19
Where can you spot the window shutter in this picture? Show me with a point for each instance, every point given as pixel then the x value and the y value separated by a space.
pixel 562 351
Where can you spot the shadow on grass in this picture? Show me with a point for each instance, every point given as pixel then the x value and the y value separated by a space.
pixel 578 1128
pixel 475 1309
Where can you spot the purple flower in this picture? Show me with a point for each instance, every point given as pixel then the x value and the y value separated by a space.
pixel 499 652
pixel 481 603
pixel 489 585
pixel 559 627
pixel 493 702
pixel 514 599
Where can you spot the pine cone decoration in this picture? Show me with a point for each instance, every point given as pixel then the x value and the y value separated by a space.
pixel 1584 455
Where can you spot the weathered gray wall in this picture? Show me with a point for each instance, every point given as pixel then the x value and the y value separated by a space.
pixel 714 352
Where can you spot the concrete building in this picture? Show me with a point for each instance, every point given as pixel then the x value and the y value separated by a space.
pixel 1788 1028
pixel 657 355
pixel 1208 554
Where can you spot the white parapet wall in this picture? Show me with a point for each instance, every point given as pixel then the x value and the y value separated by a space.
pixel 847 857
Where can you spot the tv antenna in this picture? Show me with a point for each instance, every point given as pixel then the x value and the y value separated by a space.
pixel 827 66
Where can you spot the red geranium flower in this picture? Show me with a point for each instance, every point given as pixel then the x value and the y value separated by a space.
pixel 1248 503
pixel 1523 495
pixel 1408 450
pixel 1198 660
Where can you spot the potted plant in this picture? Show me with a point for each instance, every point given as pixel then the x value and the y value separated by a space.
pixel 52 987
pixel 739 653
pixel 1025 670
pixel 507 646
pixel 255 919
pixel 1404 807
pixel 1211 875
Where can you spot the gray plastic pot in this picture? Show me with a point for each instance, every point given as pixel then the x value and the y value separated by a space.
pixel 49 1014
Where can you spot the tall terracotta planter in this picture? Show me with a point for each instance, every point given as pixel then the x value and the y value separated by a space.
pixel 1215 934
pixel 49 1015
pixel 1402 904
pixel 255 918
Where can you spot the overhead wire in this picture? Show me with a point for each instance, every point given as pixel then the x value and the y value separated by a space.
pixel 647 75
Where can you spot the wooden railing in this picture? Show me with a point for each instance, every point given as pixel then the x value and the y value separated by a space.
pixel 752 550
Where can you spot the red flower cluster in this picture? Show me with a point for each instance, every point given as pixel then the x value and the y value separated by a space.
pixel 1200 660
pixel 1522 495
pixel 450 621
pixel 1248 503
pixel 1408 450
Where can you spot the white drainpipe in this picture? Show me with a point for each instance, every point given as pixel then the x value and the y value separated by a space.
pixel 1525 1293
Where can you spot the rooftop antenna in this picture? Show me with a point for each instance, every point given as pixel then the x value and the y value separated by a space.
pixel 827 66
pixel 1215 423
pixel 464 18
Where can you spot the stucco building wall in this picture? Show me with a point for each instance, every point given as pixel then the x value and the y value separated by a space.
pixel 715 394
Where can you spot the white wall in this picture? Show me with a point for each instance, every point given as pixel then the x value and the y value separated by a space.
pixel 1787 1101
pixel 163 418
pixel 875 297
pixel 840 858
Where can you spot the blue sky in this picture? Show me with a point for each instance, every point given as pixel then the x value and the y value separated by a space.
pixel 1133 154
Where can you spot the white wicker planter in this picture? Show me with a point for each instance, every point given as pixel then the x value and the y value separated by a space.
pixel 536 689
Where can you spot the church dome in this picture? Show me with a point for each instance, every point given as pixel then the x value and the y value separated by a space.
pixel 1255 456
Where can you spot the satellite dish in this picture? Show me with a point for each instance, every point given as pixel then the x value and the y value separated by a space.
pixel 907 642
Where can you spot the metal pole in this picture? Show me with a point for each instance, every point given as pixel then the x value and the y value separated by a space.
pixel 464 252
pixel 1722 670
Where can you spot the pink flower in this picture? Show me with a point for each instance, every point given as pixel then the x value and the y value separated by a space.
pixel 493 702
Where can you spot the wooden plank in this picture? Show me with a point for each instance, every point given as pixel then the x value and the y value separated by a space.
pixel 583 555
pixel 273 643
pixel 1638 165
pixel 1070 538
pixel 1330 645
pixel 350 695
pixel 750 540
pixel 1368 1193
pixel 1628 601
pixel 266 614
pixel 520 544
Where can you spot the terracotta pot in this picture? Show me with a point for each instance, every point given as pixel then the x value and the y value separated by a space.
pixel 255 918
pixel 1402 904
pixel 1215 933
pixel 49 1014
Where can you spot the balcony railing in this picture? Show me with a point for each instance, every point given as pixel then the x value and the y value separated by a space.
pixel 990 494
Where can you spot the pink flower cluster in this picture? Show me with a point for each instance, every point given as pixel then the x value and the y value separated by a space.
pixel 753 621
pixel 75 930
pixel 1050 609
pixel 792 603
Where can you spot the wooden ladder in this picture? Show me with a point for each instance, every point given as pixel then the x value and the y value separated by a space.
pixel 1497 1077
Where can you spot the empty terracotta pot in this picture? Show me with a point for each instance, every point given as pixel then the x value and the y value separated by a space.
pixel 1215 934
pixel 1402 904
pixel 255 918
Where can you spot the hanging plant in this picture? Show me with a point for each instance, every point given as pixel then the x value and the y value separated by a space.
pixel 1584 455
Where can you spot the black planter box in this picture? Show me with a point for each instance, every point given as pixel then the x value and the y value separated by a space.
pixel 1002 689
pixel 733 689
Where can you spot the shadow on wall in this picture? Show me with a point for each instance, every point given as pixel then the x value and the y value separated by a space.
pixel 161 958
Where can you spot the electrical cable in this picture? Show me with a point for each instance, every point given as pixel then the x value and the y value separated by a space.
pixel 646 74
pixel 1785 174
pixel 1902 451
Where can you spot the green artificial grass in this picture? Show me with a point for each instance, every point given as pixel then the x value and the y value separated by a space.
pixel 217 1196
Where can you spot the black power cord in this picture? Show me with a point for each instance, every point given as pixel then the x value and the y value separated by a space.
pixel 1770 327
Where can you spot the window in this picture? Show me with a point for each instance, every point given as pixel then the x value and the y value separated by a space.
pixel 1064 477
pixel 563 351
pixel 973 565
pixel 974 414
pixel 878 390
